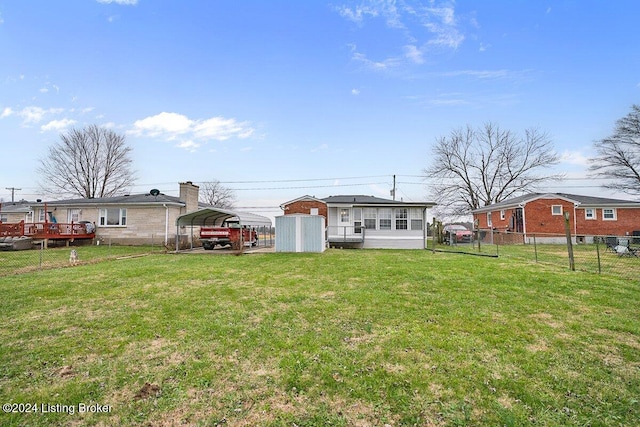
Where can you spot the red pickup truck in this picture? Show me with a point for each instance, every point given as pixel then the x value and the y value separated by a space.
pixel 227 234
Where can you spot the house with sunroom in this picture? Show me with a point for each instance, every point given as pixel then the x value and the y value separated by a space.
pixel 543 215
pixel 362 221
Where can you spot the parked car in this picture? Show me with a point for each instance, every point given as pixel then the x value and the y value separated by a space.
pixel 459 233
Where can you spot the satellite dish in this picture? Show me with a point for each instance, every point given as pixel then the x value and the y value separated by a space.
pixel 154 192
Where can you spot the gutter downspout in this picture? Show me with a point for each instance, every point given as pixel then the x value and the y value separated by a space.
pixel 424 228
pixel 166 223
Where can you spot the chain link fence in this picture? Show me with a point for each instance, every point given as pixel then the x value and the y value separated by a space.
pixel 610 255
pixel 39 257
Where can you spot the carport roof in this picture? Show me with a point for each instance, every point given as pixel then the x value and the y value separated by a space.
pixel 216 216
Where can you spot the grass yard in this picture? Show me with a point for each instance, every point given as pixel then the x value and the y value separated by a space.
pixel 344 338
pixel 587 257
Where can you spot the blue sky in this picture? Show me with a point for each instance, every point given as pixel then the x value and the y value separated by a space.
pixel 278 99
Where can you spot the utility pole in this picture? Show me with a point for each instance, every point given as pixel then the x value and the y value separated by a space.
pixel 14 189
pixel 393 192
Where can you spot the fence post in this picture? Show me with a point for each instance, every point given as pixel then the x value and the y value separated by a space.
pixel 41 253
pixel 434 233
pixel 598 253
pixel 535 248
pixel 567 231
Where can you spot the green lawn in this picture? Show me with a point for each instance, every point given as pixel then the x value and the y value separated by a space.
pixel 348 337
pixel 587 257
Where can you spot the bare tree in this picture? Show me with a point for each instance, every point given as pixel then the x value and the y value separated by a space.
pixel 472 168
pixel 89 162
pixel 619 155
pixel 215 194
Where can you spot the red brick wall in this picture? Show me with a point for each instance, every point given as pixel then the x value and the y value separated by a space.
pixel 496 222
pixel 304 207
pixel 627 221
pixel 538 217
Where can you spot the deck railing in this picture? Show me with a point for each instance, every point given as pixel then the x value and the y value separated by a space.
pixel 48 230
pixel 345 233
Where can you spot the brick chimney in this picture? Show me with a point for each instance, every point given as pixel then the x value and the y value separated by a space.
pixel 189 193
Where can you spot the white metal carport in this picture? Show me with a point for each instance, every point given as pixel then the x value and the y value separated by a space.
pixel 214 217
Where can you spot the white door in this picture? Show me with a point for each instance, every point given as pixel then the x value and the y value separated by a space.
pixel 344 221
pixel 73 215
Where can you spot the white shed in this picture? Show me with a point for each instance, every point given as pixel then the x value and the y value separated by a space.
pixel 300 233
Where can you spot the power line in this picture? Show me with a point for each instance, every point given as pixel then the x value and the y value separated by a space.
pixel 13 190
pixel 308 186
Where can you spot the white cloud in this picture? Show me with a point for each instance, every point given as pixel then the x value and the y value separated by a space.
pixel 32 114
pixel 357 14
pixel 355 92
pixel 125 2
pixel 574 158
pixel 36 114
pixel 167 124
pixel 414 54
pixel 57 125
pixel 425 28
pixel 171 126
pixel 222 129
pixel 6 112
pixel 386 64
pixel 321 147
pixel 188 145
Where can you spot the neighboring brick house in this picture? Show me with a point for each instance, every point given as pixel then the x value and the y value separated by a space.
pixel 131 219
pixel 305 205
pixel 367 221
pixel 543 214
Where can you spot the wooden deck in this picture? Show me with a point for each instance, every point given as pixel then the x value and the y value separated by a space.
pixel 48 230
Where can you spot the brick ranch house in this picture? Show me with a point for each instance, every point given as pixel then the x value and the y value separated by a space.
pixel 542 214
pixel 367 221
pixel 130 219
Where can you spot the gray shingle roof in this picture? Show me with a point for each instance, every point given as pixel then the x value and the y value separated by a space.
pixel 588 201
pixel 22 206
pixel 370 200
pixel 117 200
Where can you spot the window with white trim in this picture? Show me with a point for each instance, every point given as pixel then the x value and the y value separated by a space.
pixel 3 217
pixel 556 209
pixel 73 215
pixel 489 223
pixel 416 219
pixel 357 220
pixel 344 215
pixel 609 214
pixel 401 218
pixel 589 213
pixel 502 215
pixel 113 217
pixel 385 219
pixel 370 215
